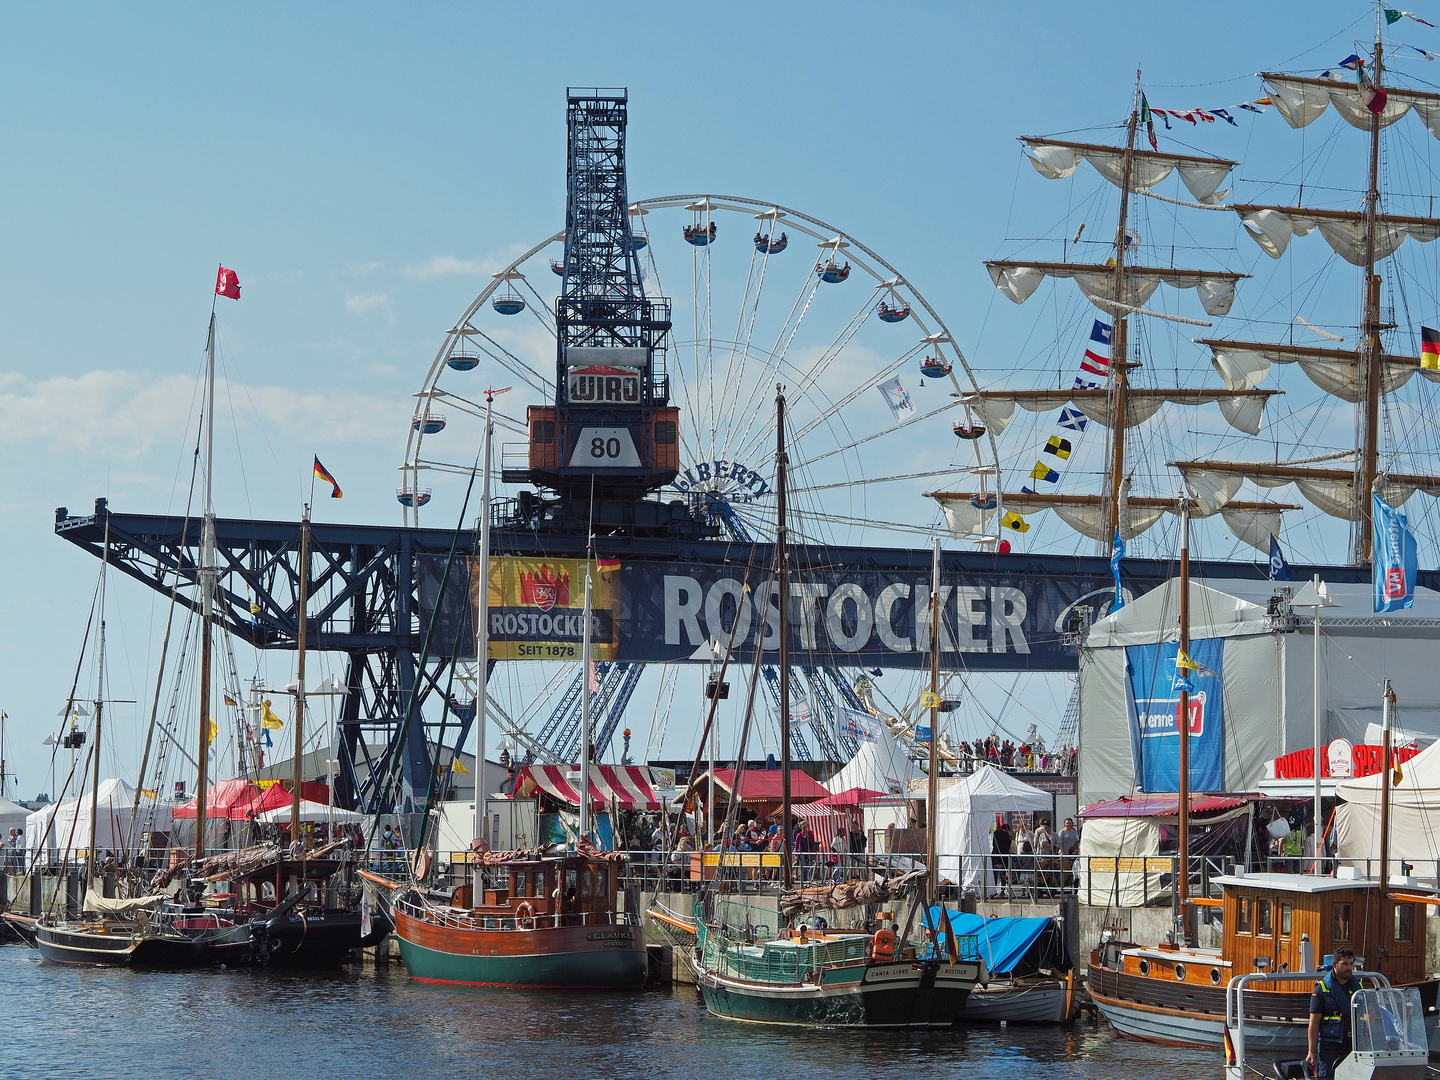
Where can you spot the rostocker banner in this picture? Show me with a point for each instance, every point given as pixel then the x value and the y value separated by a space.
pixel 1154 702
pixel 652 612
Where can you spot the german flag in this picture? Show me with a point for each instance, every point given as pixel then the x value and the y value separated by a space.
pixel 321 473
pixel 1429 348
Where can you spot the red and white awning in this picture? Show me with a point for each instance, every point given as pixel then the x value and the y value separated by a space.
pixel 627 786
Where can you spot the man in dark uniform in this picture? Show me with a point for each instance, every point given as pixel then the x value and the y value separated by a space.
pixel 1329 1034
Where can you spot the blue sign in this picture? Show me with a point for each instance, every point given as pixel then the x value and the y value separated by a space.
pixel 1393 557
pixel 1154 688
pixel 1279 568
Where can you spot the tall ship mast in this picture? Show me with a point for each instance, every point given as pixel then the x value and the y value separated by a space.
pixel 1117 385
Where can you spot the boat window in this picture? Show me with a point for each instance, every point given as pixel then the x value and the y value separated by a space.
pixel 1402 922
pixel 1179 972
pixel 1215 976
pixel 571 877
pixel 1242 915
pixel 1263 924
pixel 587 882
pixel 602 882
pixel 522 883
pixel 1144 967
pixel 1340 923
pixel 1286 918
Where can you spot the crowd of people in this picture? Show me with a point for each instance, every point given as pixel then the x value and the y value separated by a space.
pixel 1034 859
pixel 1029 757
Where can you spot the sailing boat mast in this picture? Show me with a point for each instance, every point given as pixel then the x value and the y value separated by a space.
pixel 207 594
pixel 1371 328
pixel 1119 352
pixel 482 635
pixel 99 711
pixel 1182 723
pixel 932 794
pixel 300 676
pixel 787 854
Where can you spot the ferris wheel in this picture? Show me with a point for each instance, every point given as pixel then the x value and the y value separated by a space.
pixel 760 295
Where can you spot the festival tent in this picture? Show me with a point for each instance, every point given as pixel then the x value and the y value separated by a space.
pixel 1414 815
pixel 12 816
pixel 221 800
pixel 964 815
pixel 628 786
pixel 880 764
pixel 312 812
pixel 69 822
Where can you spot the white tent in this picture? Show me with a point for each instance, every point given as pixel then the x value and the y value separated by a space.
pixel 880 764
pixel 69 822
pixel 313 812
pixel 963 820
pixel 1414 815
pixel 1267 675
pixel 12 816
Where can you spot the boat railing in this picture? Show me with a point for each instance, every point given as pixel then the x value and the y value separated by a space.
pixel 1235 1008
pixel 458 919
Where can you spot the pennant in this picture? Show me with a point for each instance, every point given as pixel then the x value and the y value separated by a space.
pixel 1422 52
pixel 1044 472
pixel 1117 552
pixel 1251 106
pixel 1392 557
pixel 227 283
pixel 1279 568
pixel 323 474
pixel 1148 121
pixel 149 793
pixel 1132 238
pixel 1183 661
pixel 1184 116
pixel 1183 683
pixel 1102 332
pixel 1058 446
pixel 1351 63
pixel 1205 116
pixel 1026 490
pixel 214 730
pixel 231 702
pixel 1160 113
pixel 1225 116
pixel 1393 16
pixel 456 765
pixel 895 395
pixel 1012 520
pixel 1429 348
pixel 268 719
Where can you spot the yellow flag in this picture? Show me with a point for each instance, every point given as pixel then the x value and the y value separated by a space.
pixel 456 765
pixel 214 729
pixel 929 700
pixel 1183 661
pixel 1014 521
pixel 148 793
pixel 268 719
pixel 1399 775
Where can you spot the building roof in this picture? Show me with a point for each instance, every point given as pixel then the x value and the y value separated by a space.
pixel 1167 804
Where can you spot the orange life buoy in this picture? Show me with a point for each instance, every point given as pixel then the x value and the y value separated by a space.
pixel 882 945
pixel 525 915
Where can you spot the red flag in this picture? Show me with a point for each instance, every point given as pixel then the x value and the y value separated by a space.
pixel 594 679
pixel 227 283
pixel 321 473
pixel 1095 364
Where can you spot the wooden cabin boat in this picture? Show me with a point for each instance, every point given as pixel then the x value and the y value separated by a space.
pixel 1274 922
pixel 553 923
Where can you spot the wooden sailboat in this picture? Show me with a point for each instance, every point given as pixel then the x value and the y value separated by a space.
pixel 816 976
pixel 528 919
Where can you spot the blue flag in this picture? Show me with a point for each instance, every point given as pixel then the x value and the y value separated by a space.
pixel 1279 568
pixel 1072 418
pixel 1116 554
pixel 1101 332
pixel 922 733
pixel 1393 560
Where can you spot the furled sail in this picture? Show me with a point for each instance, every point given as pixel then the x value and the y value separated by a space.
pixel 1330 490
pixel 1243 408
pixel 1302 101
pixel 1244 364
pixel 1018 281
pixel 1201 176
pixel 969 513
pixel 1344 230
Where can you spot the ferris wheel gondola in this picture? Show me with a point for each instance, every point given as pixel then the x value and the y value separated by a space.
pixel 935 367
pixel 509 301
pixel 896 314
pixel 771 245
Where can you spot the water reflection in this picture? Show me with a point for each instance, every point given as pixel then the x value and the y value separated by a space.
pixel 367 1023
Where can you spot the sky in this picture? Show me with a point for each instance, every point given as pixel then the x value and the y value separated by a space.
pixel 365 168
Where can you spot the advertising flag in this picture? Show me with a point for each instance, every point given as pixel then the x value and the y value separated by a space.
pixel 860 726
pixel 1279 568
pixel 1393 558
pixel 227 283
pixel 1156 679
pixel 1117 552
pixel 896 396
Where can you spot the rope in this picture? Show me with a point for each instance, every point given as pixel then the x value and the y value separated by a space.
pixel 1115 305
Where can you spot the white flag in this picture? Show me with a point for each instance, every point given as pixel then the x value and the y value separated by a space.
pixel 898 398
pixel 860 726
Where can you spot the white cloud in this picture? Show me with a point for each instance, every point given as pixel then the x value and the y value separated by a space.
pixel 370 303
pixel 440 266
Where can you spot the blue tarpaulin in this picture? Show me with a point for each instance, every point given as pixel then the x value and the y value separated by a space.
pixel 1003 942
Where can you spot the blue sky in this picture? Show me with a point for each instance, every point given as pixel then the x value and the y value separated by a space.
pixel 365 167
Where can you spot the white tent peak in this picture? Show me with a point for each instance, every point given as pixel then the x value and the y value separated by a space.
pixel 880 764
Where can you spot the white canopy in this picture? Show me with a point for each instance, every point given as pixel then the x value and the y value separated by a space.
pixel 311 812
pixel 963 817
pixel 880 764
pixel 70 828
pixel 12 816
pixel 1414 815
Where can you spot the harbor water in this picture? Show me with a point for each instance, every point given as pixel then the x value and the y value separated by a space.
pixel 362 1022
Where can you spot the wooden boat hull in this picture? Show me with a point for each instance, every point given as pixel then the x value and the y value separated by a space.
pixel 600 956
pixel 898 994
pixel 1021 1001
pixel 84 948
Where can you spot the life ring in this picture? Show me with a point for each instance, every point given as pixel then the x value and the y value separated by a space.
pixel 420 864
pixel 882 945
pixel 525 915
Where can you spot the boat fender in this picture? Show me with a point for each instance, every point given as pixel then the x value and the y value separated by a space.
pixel 882 945
pixel 420 864
pixel 525 915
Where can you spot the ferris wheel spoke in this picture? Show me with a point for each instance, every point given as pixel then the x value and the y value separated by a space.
pixel 877 435
pixel 513 364
pixel 868 480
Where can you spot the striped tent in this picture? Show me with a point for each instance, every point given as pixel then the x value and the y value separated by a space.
pixel 824 822
pixel 628 786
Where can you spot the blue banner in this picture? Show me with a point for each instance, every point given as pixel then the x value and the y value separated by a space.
pixel 1117 552
pixel 1393 557
pixel 1279 568
pixel 1154 690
